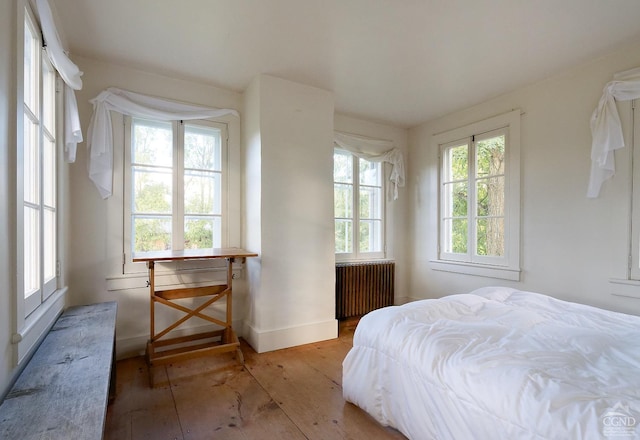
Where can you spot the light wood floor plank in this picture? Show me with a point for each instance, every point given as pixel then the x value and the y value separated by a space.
pixel 217 398
pixel 312 400
pixel 140 411
pixel 287 394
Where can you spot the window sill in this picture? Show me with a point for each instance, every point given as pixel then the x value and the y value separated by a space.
pixel 172 278
pixel 487 271
pixel 38 324
pixel 625 287
pixel 364 260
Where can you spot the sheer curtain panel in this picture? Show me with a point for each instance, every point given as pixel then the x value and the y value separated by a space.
pixel 606 127
pixel 100 137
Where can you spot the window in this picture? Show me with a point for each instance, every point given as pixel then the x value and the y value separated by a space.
pixel 174 185
pixel 37 166
pixel 625 225
pixel 479 198
pixel 40 291
pixel 358 207
pixel 634 257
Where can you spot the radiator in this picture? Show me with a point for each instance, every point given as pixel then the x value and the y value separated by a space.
pixel 363 287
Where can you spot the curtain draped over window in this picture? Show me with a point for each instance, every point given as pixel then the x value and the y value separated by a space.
pixel 361 146
pixel 69 73
pixel 606 127
pixel 100 135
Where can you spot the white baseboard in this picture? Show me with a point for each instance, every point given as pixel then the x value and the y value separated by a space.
pixel 404 300
pixel 263 341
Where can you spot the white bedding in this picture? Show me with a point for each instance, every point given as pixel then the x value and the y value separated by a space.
pixel 497 364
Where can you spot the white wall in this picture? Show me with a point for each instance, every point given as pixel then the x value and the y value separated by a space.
pixel 569 244
pixel 287 131
pixel 95 239
pixel 292 292
pixel 396 210
pixel 7 190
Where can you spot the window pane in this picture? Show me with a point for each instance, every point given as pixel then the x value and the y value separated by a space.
pixel 490 196
pixel 490 236
pixel 49 244
pixel 343 200
pixel 152 143
pixel 370 173
pixel 370 203
pixel 202 193
pixel 455 199
pixel 370 236
pixel 200 233
pixel 48 96
pixel 202 149
pixel 455 235
pixel 31 62
pixel 152 190
pixel 49 173
pixel 31 251
pixel 151 233
pixel 456 163
pixel 342 167
pixel 490 156
pixel 344 236
pixel 31 157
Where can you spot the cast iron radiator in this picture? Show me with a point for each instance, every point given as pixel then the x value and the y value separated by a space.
pixel 363 287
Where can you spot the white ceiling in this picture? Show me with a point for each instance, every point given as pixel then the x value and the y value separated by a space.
pixel 398 61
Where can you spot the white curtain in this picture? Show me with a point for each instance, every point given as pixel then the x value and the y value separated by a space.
pixel 100 135
pixel 69 73
pixel 368 149
pixel 606 127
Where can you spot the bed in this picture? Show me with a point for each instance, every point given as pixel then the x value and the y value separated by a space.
pixel 497 363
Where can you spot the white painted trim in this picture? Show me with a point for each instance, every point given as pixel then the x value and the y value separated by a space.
pixel 625 287
pixel 183 278
pixel 502 273
pixel 36 326
pixel 511 268
pixel 400 300
pixel 270 340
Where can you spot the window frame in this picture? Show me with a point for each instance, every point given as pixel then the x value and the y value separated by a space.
pixel 178 127
pixel 357 255
pixel 624 280
pixel 634 242
pixel 508 266
pixel 35 316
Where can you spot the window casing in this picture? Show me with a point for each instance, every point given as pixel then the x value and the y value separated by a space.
pixel 478 200
pixel 624 189
pixel 175 187
pixel 634 245
pixel 358 207
pixel 37 165
pixel 40 291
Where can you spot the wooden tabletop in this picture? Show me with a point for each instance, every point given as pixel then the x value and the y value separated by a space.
pixel 193 254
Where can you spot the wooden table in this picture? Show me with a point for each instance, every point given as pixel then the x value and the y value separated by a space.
pixel 162 349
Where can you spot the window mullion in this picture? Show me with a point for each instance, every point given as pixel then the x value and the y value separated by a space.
pixel 472 208
pixel 356 207
pixel 41 140
pixel 178 186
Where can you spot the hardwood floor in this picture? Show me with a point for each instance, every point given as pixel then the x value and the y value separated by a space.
pixel 286 394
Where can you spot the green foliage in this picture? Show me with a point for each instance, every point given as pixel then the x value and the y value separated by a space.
pixel 369 204
pixel 153 174
pixel 489 187
pixel 198 234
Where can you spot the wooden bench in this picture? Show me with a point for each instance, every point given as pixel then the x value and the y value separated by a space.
pixel 63 391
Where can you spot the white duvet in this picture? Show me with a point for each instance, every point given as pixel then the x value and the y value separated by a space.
pixel 498 364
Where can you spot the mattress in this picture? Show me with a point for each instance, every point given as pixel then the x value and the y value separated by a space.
pixel 497 363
